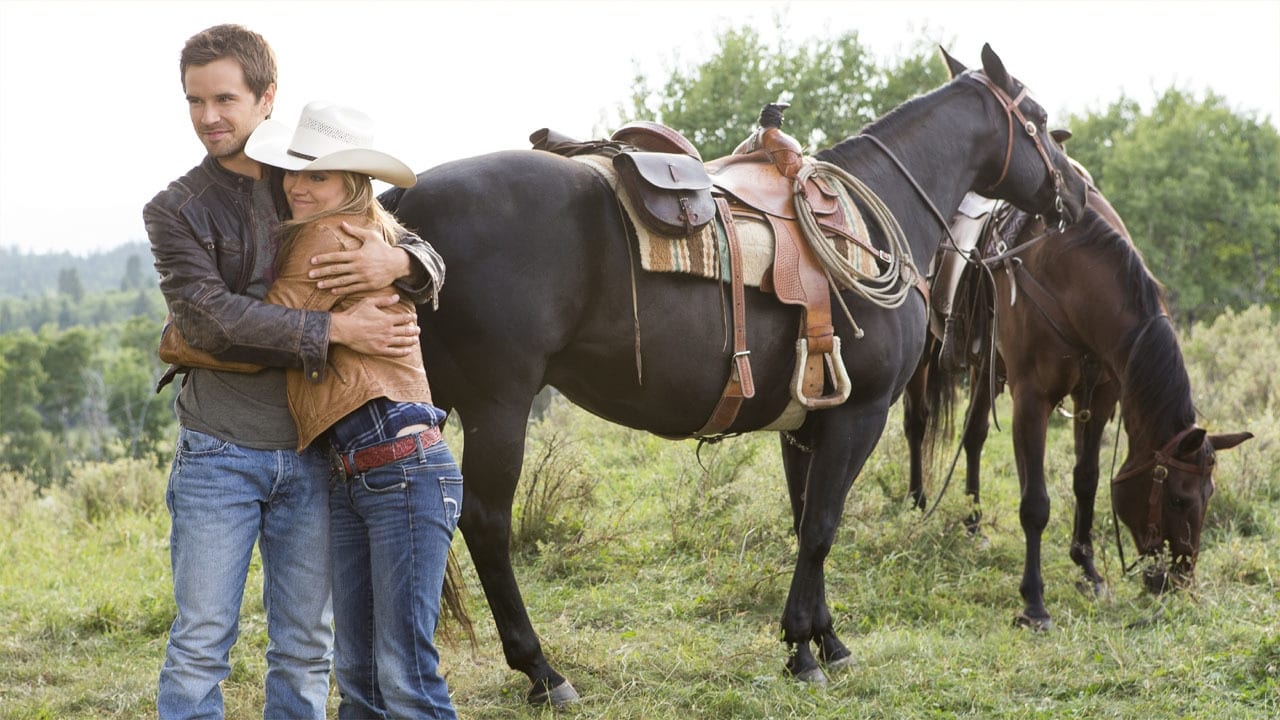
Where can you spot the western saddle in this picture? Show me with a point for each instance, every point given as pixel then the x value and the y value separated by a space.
pixel 674 194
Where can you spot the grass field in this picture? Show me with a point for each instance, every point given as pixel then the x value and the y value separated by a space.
pixel 657 583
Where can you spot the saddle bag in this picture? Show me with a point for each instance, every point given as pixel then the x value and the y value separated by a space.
pixel 670 193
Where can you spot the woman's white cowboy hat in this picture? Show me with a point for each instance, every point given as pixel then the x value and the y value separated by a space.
pixel 328 137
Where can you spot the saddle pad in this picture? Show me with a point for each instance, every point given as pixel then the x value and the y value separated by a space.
pixel 697 254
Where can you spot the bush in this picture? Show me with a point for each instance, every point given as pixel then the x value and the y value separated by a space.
pixel 1234 365
pixel 99 490
pixel 555 493
pixel 16 492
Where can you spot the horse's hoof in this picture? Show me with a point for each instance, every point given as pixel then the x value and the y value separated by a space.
pixel 561 695
pixel 1096 589
pixel 814 676
pixel 842 664
pixel 1024 620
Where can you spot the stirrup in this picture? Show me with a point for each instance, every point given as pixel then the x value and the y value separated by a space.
pixel 834 367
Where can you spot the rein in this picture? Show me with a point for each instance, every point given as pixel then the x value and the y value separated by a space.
pixel 1011 108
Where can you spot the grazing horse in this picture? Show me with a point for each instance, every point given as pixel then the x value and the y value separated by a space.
pixel 541 291
pixel 1080 314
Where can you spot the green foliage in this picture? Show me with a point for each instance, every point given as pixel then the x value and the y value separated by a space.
pixel 32 275
pixel 1234 367
pixel 97 491
pixel 555 496
pixel 1198 186
pixel 835 86
pixel 1234 363
pixel 97 310
pixel 81 394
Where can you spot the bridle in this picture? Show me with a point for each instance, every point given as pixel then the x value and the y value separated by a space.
pixel 1011 108
pixel 1159 465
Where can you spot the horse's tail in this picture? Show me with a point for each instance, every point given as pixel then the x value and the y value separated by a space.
pixel 454 618
pixel 939 394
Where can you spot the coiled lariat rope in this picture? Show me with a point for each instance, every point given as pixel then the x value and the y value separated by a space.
pixel 887 289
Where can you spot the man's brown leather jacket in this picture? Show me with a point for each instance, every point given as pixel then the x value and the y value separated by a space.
pixel 199 228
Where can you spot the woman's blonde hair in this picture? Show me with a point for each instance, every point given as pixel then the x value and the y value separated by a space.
pixel 360 201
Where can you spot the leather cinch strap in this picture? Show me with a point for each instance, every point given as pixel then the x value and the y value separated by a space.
pixel 740 385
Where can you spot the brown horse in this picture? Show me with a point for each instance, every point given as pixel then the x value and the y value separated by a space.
pixel 1079 314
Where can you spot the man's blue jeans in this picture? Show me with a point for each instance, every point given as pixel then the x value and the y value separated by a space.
pixel 391 528
pixel 222 498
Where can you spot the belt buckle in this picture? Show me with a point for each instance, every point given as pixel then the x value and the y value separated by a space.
pixel 337 469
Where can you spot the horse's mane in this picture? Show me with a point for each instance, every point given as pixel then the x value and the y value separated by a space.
pixel 1155 382
pixel 390 199
pixel 842 152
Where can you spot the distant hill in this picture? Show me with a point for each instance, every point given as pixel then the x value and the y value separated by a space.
pixel 30 276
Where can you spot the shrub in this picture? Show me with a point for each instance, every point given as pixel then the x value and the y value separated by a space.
pixel 98 490
pixel 1234 365
pixel 555 493
pixel 16 492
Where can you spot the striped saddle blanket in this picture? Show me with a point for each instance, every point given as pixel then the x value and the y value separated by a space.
pixel 705 253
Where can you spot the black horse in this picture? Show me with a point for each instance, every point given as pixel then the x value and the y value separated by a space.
pixel 540 292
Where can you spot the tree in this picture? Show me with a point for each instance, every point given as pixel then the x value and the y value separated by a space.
pixel 140 416
pixel 25 446
pixel 63 392
pixel 1198 186
pixel 69 284
pixel 834 85
pixel 133 277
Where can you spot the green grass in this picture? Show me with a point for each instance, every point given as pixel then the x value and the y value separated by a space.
pixel 656 584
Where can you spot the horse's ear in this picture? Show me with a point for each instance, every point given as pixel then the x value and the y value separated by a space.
pixel 1226 441
pixel 1061 135
pixel 954 66
pixel 1191 442
pixel 993 66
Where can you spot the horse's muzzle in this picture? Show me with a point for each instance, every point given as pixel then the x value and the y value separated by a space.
pixel 1159 576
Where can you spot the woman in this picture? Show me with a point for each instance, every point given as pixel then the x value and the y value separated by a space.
pixel 396 501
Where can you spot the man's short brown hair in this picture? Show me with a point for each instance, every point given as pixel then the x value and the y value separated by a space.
pixel 237 42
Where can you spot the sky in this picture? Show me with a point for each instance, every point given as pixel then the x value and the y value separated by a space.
pixel 93 121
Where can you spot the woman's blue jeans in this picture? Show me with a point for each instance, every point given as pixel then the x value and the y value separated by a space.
pixel 223 498
pixel 391 529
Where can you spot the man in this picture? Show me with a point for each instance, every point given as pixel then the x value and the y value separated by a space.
pixel 236 477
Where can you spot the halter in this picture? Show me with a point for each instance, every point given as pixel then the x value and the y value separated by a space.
pixel 1011 108
pixel 1159 464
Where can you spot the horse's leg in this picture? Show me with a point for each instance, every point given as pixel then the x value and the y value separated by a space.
pixel 1085 479
pixel 977 425
pixel 797 461
pixel 819 478
pixel 915 420
pixel 1030 423
pixel 491 460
